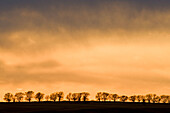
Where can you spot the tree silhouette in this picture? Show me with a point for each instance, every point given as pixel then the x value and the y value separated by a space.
pixel 74 96
pixel 115 97
pixel 168 97
pixel 139 98
pixel 47 97
pixel 99 96
pixel 19 96
pixel 39 96
pixel 105 96
pixel 13 98
pixel 149 97
pixel 123 98
pixel 143 98
pixel 8 97
pixel 60 96
pixel 157 99
pixel 154 98
pixel 54 96
pixel 29 95
pixel 132 98
pixel 85 96
pixel 164 98
pixel 79 96
pixel 110 97
pixel 69 96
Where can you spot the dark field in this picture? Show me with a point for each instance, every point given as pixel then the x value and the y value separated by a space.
pixel 81 107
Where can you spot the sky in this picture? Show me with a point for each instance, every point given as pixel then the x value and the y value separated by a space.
pixel 116 46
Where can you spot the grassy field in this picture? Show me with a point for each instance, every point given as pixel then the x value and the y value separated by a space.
pixel 81 107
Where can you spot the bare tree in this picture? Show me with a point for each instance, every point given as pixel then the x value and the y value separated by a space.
pixel 69 96
pixel 60 96
pixel 154 98
pixel 139 98
pixel 110 97
pixel 164 98
pixel 123 98
pixel 105 96
pixel 168 97
pixel 39 96
pixel 143 98
pixel 8 97
pixel 85 96
pixel 99 96
pixel 54 96
pixel 74 96
pixel 47 97
pixel 29 95
pixel 79 96
pixel 13 98
pixel 115 97
pixel 19 96
pixel 157 99
pixel 149 97
pixel 132 98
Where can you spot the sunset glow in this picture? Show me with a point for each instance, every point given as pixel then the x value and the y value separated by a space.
pixel 117 46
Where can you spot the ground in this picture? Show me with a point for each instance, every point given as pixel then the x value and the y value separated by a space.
pixel 83 107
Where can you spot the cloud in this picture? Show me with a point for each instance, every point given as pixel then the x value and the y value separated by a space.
pixel 100 43
pixel 26 28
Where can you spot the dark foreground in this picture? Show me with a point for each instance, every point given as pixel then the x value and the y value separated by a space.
pixel 81 107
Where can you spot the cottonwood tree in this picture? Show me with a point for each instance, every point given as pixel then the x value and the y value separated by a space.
pixel 13 98
pixel 54 96
pixel 115 97
pixel 157 99
pixel 149 97
pixel 79 96
pixel 123 98
pixel 154 98
pixel 168 97
pixel 139 98
pixel 105 96
pixel 69 96
pixel 99 96
pixel 29 95
pixel 132 98
pixel 74 96
pixel 19 96
pixel 47 97
pixel 8 97
pixel 164 98
pixel 143 98
pixel 39 96
pixel 110 97
pixel 60 96
pixel 85 96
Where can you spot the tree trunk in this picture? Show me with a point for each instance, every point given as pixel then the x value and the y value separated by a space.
pixel 149 101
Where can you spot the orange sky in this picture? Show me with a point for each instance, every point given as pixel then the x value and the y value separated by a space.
pixel 118 47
